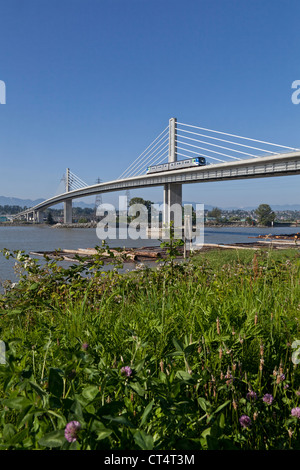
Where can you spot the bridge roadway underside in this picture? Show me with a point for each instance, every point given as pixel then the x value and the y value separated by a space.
pixel 261 167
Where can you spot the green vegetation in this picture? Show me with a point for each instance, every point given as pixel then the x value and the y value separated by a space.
pixel 195 355
pixel 265 214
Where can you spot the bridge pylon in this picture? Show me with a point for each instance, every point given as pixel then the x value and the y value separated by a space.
pixel 68 203
pixel 172 191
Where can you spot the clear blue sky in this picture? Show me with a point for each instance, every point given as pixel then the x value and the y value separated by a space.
pixel 90 83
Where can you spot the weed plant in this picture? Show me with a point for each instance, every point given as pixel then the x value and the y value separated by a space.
pixel 198 355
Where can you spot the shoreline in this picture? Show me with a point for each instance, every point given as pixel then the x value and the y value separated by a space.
pixel 94 225
pixel 150 253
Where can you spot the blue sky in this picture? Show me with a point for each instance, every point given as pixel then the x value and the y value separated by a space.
pixel 90 83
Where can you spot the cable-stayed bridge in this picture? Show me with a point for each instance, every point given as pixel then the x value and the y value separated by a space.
pixel 227 156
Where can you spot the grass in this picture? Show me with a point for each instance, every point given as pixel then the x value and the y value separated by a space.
pixel 197 337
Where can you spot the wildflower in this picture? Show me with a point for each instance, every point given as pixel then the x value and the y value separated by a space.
pixel 71 431
pixel 280 378
pixel 85 346
pixel 245 421
pixel 268 398
pixel 296 412
pixel 251 395
pixel 126 371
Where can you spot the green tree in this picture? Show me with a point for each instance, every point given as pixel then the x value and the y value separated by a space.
pixel 140 200
pixel 215 212
pixel 265 214
pixel 50 219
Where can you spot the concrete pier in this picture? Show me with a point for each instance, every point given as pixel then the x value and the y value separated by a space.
pixel 68 211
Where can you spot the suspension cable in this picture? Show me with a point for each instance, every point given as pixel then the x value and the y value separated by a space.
pixel 207 156
pixel 145 157
pixel 227 141
pixel 213 151
pixel 144 161
pixel 237 136
pixel 220 146
pixel 143 152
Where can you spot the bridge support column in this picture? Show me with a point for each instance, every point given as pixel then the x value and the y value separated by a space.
pixel 38 217
pixel 172 191
pixel 172 195
pixel 68 211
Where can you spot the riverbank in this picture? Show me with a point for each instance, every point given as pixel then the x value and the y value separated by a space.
pixel 42 238
pixel 135 255
pixel 93 224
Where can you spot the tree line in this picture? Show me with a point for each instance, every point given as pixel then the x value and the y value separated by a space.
pixel 264 213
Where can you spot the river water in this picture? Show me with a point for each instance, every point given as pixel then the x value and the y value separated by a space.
pixel 44 238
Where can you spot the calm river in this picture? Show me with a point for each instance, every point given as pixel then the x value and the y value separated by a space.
pixel 43 238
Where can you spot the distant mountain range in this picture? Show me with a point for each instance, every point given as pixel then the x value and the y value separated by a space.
pixel 14 201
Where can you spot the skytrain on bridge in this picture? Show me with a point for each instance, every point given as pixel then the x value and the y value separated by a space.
pixel 178 165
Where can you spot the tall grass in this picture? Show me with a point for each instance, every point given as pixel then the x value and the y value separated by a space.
pixel 198 338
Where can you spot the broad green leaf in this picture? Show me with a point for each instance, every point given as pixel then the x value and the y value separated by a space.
pixel 8 431
pixel 119 419
pixel 37 389
pixel 17 403
pixel 137 388
pixel 183 375
pixel 53 439
pixel 146 412
pixel 203 403
pixel 18 437
pixel 34 286
pixel 143 440
pixel 55 382
pixel 103 434
pixel 90 392
pixel 221 407
pixel 162 377
pixel 101 431
pixel 178 345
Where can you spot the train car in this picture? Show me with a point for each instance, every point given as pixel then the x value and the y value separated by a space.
pixel 178 165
